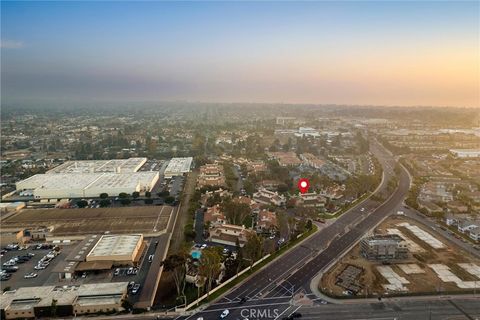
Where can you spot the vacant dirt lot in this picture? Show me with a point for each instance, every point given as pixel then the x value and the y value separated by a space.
pixel 426 282
pixel 93 220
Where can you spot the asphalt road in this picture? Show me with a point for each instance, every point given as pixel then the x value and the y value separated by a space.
pixel 152 269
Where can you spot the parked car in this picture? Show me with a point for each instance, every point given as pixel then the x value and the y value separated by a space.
pixel 30 275
pixel 135 288
pixel 5 277
pixel 10 269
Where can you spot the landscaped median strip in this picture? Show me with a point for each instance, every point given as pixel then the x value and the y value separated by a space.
pixel 249 272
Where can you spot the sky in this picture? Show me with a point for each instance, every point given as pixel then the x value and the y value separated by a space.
pixel 362 53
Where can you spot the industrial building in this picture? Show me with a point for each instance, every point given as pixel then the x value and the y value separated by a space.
pixel 91 166
pixel 72 300
pixel 101 253
pixel 384 247
pixel 120 249
pixel 177 167
pixel 82 179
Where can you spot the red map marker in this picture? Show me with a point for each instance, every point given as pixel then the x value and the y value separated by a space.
pixel 303 185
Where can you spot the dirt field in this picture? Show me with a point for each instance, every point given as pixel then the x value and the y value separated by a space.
pixel 93 220
pixel 426 282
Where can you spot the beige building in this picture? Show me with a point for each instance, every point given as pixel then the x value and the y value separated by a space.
pixel 21 236
pixel 211 175
pixel 229 234
pixel 36 302
pixel 120 249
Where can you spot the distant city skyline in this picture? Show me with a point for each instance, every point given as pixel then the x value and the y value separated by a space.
pixel 359 53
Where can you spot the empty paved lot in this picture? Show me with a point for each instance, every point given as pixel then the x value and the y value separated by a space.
pixel 93 220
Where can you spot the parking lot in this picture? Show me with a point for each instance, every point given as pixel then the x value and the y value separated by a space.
pixel 46 276
pixel 176 185
pixel 43 276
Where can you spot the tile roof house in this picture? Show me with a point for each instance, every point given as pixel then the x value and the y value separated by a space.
pixel 266 221
pixel 215 216
pixel 211 175
pixel 457 206
pixel 312 200
pixel 229 234
pixel 268 197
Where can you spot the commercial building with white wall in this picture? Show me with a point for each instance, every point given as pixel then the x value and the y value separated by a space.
pixel 71 300
pixel 116 248
pixel 177 167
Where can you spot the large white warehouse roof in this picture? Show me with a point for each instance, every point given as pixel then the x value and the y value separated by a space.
pixel 78 179
pixel 92 166
pixel 115 245
pixel 178 166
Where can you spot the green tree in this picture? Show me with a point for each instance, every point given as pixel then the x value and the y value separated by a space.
pixel 104 195
pixel 189 232
pixel 82 203
pixel 125 201
pixel 282 224
pixel 309 225
pixel 163 193
pixel 253 248
pixel 169 200
pixel 53 308
pixel 148 194
pixel 236 212
pixel 210 265
pixel 176 264
pixel 123 195
pixel 127 305
pixel 104 203
pixel 135 194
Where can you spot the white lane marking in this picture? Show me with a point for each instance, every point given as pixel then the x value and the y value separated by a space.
pixel 158 218
pixel 246 306
pixel 294 310
pixel 282 313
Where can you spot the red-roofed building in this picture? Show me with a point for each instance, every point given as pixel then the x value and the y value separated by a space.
pixel 215 216
pixel 266 221
pixel 229 234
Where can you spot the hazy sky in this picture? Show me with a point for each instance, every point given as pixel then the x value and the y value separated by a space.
pixel 382 53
